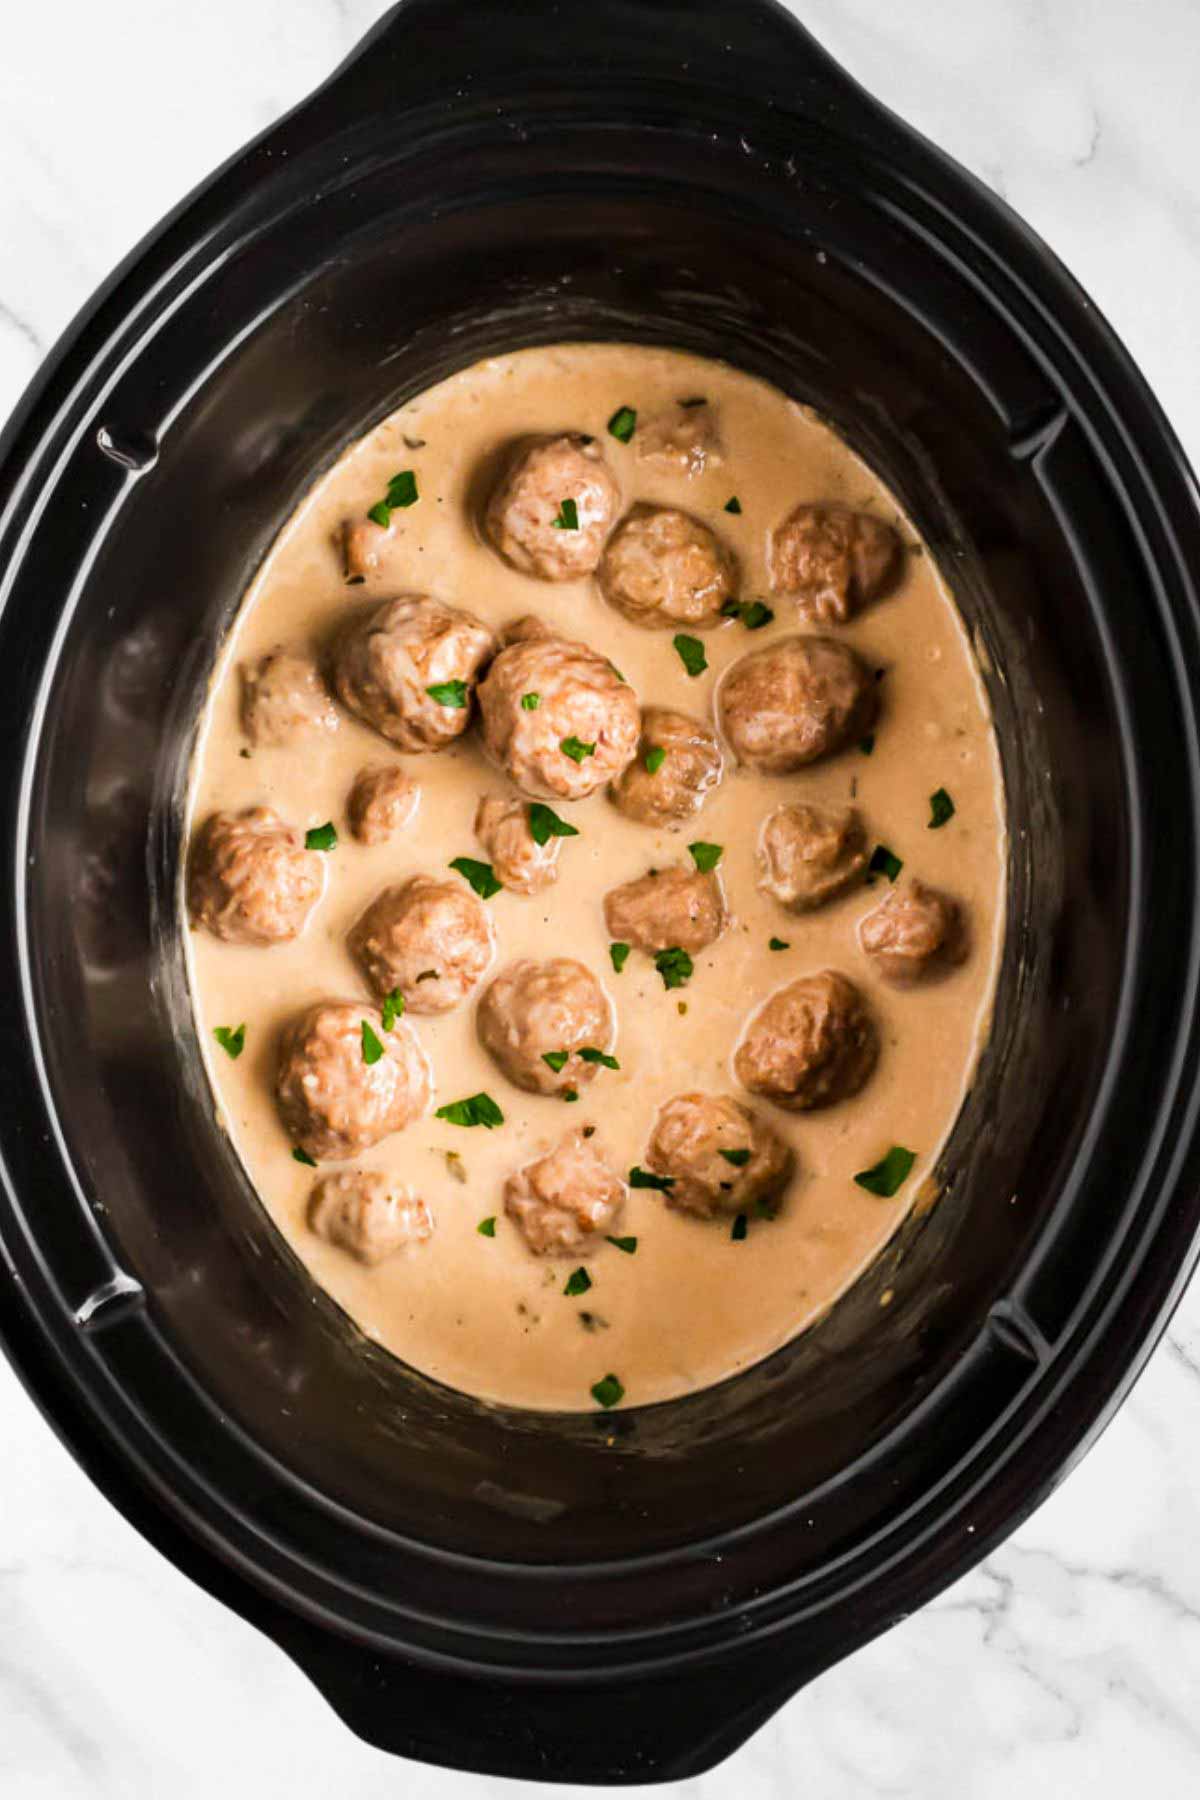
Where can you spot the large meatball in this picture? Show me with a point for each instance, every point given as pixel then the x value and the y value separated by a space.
pixel 334 1103
pixel 429 938
pixel 668 909
pixel 382 802
pixel 681 441
pixel 831 561
pixel 367 1214
pixel 250 878
pixel 808 854
pixel 558 718
pixel 519 861
pixel 719 1155
pixel 284 699
pixel 387 664
pixel 537 1009
pixel 663 568
pixel 914 931
pixel 794 701
pixel 678 763
pixel 810 1044
pixel 566 1202
pixel 527 521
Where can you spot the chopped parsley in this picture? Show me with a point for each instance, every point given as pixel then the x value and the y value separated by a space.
pixel 623 424
pixel 733 504
pixel 778 944
pixel 321 837
pixel 691 653
pixel 654 759
pixel 570 1094
pixel 393 1008
pixel 941 808
pixel 556 1060
pixel 619 953
pixel 402 492
pixel 705 856
pixel 449 693
pixel 575 749
pixel 675 966
pixel 567 518
pixel 889 1173
pixel 612 665
pixel 588 1055
pixel 608 1392
pixel 372 1049
pixel 754 614
pixel 867 744
pixel 487 1227
pixel 479 1109
pixel 481 876
pixel 302 1156
pixel 642 1178
pixel 530 702
pixel 885 862
pixel 379 514
pixel 544 823
pixel 740 1227
pixel 628 1245
pixel 232 1041
pixel 578 1283
pixel 739 1158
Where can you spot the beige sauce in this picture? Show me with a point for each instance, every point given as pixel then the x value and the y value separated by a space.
pixel 691 1306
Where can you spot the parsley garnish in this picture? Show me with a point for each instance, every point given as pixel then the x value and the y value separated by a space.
pixel 885 862
pixel 372 1049
pixel 705 856
pixel 544 823
pixel 733 504
pixel 691 653
pixel 480 1109
pixel 569 1094
pixel 449 693
pixel 619 954
pixel 588 1055
pixel 739 1158
pixel 889 1173
pixel 753 613
pixel 578 1283
pixel 572 747
pixel 626 1244
pixel 481 876
pixel 608 1392
pixel 487 1227
pixel 302 1156
pixel 568 516
pixel 675 966
pixel 642 1178
pixel 402 492
pixel 623 424
pixel 321 837
pixel 556 1060
pixel 530 702
pixel 778 944
pixel 233 1042
pixel 941 808
pixel 867 744
pixel 740 1227
pixel 393 1008
pixel 379 514
pixel 654 759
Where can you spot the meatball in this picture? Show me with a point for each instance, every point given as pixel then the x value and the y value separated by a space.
pixel 681 441
pixel 528 629
pixel 366 1214
pixel 387 664
pixel 663 568
pixel 914 931
pixel 810 1044
pixel 544 694
pixel 719 1155
pixel 831 561
pixel 526 519
pixel 284 698
pixel 520 862
pixel 382 801
pixel 363 542
pixel 333 1102
pixel 808 855
pixel 537 1009
pixel 669 788
pixel 430 939
pixel 794 701
pixel 250 879
pixel 566 1202
pixel 669 909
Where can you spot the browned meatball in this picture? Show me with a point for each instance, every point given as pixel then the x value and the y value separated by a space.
pixel 527 522
pixel 914 931
pixel 664 569
pixel 794 701
pixel 537 1009
pixel 808 855
pixel 284 699
pixel 388 662
pixel 544 694
pixel 810 1044
pixel 367 1214
pixel 677 765
pixel 363 543
pixel 566 1202
pixel 333 1102
pixel 670 909
pixel 382 802
pixel 719 1155
pixel 831 561
pixel 681 441
pixel 430 939
pixel 520 862
pixel 250 878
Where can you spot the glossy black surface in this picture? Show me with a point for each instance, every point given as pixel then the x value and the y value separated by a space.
pixel 619 1598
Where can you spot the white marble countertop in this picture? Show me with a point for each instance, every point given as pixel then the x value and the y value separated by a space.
pixel 1069 1663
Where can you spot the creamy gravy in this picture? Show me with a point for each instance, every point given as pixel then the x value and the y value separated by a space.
pixel 692 1306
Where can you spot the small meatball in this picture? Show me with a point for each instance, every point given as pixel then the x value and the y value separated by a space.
pixel 333 1102
pixel 664 569
pixel 283 699
pixel 528 629
pixel 386 665
pixel 535 1009
pixel 914 931
pixel 671 909
pixel 543 693
pixel 250 878
pixel 520 862
pixel 363 544
pixel 693 1139
pixel 521 514
pixel 670 789
pixel 567 1202
pixel 808 855
pixel 810 1044
pixel 382 801
pixel 367 1214
pixel 681 441
pixel 831 561
pixel 795 701
pixel 431 939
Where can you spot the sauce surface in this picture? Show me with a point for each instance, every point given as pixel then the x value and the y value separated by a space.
pixel 693 1305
